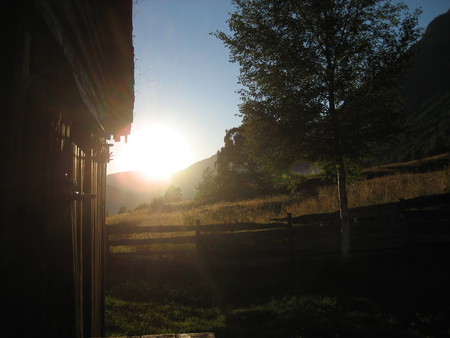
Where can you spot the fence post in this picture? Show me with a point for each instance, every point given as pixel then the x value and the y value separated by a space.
pixel 291 237
pixel 106 246
pixel 406 231
pixel 198 234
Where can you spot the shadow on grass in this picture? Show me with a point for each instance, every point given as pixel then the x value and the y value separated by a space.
pixel 396 295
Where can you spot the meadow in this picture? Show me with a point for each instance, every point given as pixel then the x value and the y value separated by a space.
pixel 402 294
pixel 322 198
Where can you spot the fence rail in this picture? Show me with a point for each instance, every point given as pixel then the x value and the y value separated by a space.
pixel 374 228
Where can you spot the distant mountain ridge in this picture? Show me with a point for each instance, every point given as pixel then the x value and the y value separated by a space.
pixel 427 91
pixel 131 188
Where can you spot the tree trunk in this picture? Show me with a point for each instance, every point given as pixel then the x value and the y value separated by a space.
pixel 344 213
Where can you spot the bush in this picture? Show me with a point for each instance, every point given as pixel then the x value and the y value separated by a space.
pixel 123 209
pixel 141 206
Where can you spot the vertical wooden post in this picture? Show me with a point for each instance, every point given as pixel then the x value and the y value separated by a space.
pixel 106 247
pixel 291 237
pixel 198 234
pixel 344 213
pixel 404 222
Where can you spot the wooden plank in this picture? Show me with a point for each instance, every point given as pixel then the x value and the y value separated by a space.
pixel 150 252
pixel 434 215
pixel 314 232
pixel 375 250
pixel 319 244
pixel 149 241
pixel 377 246
pixel 241 226
pixel 430 238
pixel 175 335
pixel 376 211
pixel 427 201
pixel 429 226
pixel 380 210
pixel 134 229
pixel 316 218
pixel 246 253
pixel 182 335
pixel 258 236
pixel 376 238
pixel 309 252
pixel 129 229
pixel 387 225
pixel 371 211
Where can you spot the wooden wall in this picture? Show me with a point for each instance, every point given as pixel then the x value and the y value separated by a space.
pixel 52 171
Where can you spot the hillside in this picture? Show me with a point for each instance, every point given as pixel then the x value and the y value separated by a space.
pixel 189 178
pixel 116 198
pixel 132 188
pixel 427 93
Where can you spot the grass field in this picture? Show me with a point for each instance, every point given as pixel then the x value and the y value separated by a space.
pixel 385 296
pixel 321 199
pixel 403 294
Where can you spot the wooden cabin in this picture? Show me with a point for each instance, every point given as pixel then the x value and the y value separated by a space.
pixel 66 88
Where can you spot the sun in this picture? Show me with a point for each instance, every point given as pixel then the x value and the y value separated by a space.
pixel 156 150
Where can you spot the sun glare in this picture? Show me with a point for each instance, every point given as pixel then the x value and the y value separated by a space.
pixel 156 150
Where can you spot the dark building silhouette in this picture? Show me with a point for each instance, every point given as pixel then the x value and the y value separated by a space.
pixel 66 87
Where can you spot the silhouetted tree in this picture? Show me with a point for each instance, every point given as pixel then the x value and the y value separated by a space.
pixel 123 209
pixel 157 204
pixel 173 194
pixel 237 174
pixel 322 74
pixel 207 188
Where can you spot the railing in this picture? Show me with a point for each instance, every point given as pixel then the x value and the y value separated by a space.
pixel 376 228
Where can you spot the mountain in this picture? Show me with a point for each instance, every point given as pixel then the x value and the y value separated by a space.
pixel 131 188
pixel 427 93
pixel 116 198
pixel 189 178
pixel 431 65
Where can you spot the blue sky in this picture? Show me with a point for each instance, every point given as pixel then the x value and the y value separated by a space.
pixel 183 78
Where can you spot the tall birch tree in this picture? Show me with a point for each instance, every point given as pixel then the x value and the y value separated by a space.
pixel 325 72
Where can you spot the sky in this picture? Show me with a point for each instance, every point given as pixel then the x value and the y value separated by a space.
pixel 185 86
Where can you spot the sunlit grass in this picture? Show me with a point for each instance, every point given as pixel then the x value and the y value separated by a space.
pixel 321 199
pixel 393 188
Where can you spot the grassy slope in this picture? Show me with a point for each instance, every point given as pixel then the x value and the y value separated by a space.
pixel 321 199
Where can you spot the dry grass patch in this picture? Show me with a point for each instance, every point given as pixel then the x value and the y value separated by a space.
pixel 322 199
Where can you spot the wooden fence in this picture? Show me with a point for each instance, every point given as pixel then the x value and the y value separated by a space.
pixel 376 228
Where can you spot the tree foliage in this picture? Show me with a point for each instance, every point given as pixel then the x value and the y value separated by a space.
pixel 237 174
pixel 320 77
pixel 123 209
pixel 207 188
pixel 173 194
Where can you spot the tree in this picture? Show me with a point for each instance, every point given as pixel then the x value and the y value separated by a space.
pixel 123 209
pixel 324 74
pixel 237 174
pixel 271 147
pixel 173 194
pixel 207 189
